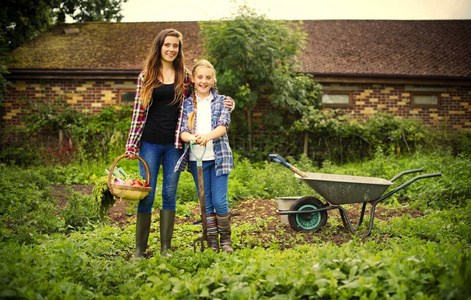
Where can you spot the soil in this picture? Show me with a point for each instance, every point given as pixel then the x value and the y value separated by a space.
pixel 254 210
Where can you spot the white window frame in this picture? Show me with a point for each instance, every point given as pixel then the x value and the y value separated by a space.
pixel 333 93
pixel 120 96
pixel 437 96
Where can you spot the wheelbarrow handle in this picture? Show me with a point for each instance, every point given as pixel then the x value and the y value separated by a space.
pixel 408 183
pixel 406 172
pixel 277 158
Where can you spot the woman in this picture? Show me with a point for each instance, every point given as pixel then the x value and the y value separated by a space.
pixel 154 132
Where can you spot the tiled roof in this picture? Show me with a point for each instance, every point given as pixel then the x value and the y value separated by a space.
pixel 411 48
pixel 440 48
pixel 100 46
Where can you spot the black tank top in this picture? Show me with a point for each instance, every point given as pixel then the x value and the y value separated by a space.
pixel 162 117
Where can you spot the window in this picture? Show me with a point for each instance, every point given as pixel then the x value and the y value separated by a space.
pixel 337 98
pixel 425 99
pixel 126 96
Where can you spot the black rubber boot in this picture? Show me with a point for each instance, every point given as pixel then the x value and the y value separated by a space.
pixel 142 234
pixel 167 222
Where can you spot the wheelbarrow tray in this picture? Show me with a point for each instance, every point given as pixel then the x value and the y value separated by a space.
pixel 346 189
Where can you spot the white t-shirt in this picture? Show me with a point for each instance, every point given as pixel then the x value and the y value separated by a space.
pixel 203 125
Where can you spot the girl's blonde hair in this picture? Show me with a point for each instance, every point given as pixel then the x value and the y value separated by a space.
pixel 201 63
pixel 152 70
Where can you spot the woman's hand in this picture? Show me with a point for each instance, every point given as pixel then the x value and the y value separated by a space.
pixel 131 156
pixel 229 103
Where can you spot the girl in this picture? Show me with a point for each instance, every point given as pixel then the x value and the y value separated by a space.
pixel 155 129
pixel 205 122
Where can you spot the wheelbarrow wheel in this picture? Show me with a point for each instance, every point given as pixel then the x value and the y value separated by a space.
pixel 307 221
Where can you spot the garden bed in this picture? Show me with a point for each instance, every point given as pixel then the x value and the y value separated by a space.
pixel 258 211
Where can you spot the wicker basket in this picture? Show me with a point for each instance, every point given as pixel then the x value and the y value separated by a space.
pixel 126 192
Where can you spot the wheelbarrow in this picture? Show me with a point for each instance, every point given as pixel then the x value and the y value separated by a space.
pixel 310 213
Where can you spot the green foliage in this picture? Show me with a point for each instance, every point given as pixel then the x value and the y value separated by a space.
pixel 438 226
pixel 256 58
pixel 26 206
pixel 84 265
pixel 4 83
pixel 426 257
pixel 22 20
pixel 251 53
pixel 90 11
pixel 28 210
pixel 50 116
pixel 186 188
pixel 81 211
pixel 20 154
pixel 54 133
pixel 102 195
pixel 341 138
pixel 453 188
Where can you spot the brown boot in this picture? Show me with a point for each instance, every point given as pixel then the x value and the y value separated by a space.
pixel 224 229
pixel 212 227
pixel 142 234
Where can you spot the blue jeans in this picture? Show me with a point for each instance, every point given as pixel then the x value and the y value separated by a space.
pixel 215 187
pixel 155 155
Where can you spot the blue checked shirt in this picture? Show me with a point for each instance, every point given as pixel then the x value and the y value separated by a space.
pixel 220 115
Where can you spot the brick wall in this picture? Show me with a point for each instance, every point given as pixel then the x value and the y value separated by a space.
pixel 87 96
pixel 91 96
pixel 454 110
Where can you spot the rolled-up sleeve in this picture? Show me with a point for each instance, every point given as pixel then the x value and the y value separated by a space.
pixel 225 117
pixel 138 120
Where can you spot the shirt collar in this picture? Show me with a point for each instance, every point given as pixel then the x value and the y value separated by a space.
pixel 208 98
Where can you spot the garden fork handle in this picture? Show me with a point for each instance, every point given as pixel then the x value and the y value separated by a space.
pixel 199 170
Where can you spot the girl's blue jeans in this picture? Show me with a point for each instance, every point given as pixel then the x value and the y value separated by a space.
pixel 167 156
pixel 215 187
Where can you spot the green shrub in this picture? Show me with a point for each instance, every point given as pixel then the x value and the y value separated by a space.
pixel 20 154
pixel 81 211
pixel 27 209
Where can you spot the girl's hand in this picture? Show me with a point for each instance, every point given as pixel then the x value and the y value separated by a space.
pixel 193 139
pixel 202 139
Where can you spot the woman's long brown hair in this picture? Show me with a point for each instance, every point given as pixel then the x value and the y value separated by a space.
pixel 152 70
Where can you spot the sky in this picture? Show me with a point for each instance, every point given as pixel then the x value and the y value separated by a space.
pixel 204 10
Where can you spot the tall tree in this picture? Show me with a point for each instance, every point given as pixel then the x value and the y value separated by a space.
pixel 21 20
pixel 256 57
pixel 89 10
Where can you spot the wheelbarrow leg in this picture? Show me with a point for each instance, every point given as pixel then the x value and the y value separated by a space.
pixel 344 215
pixel 344 221
pixel 362 214
pixel 372 217
pixel 374 203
